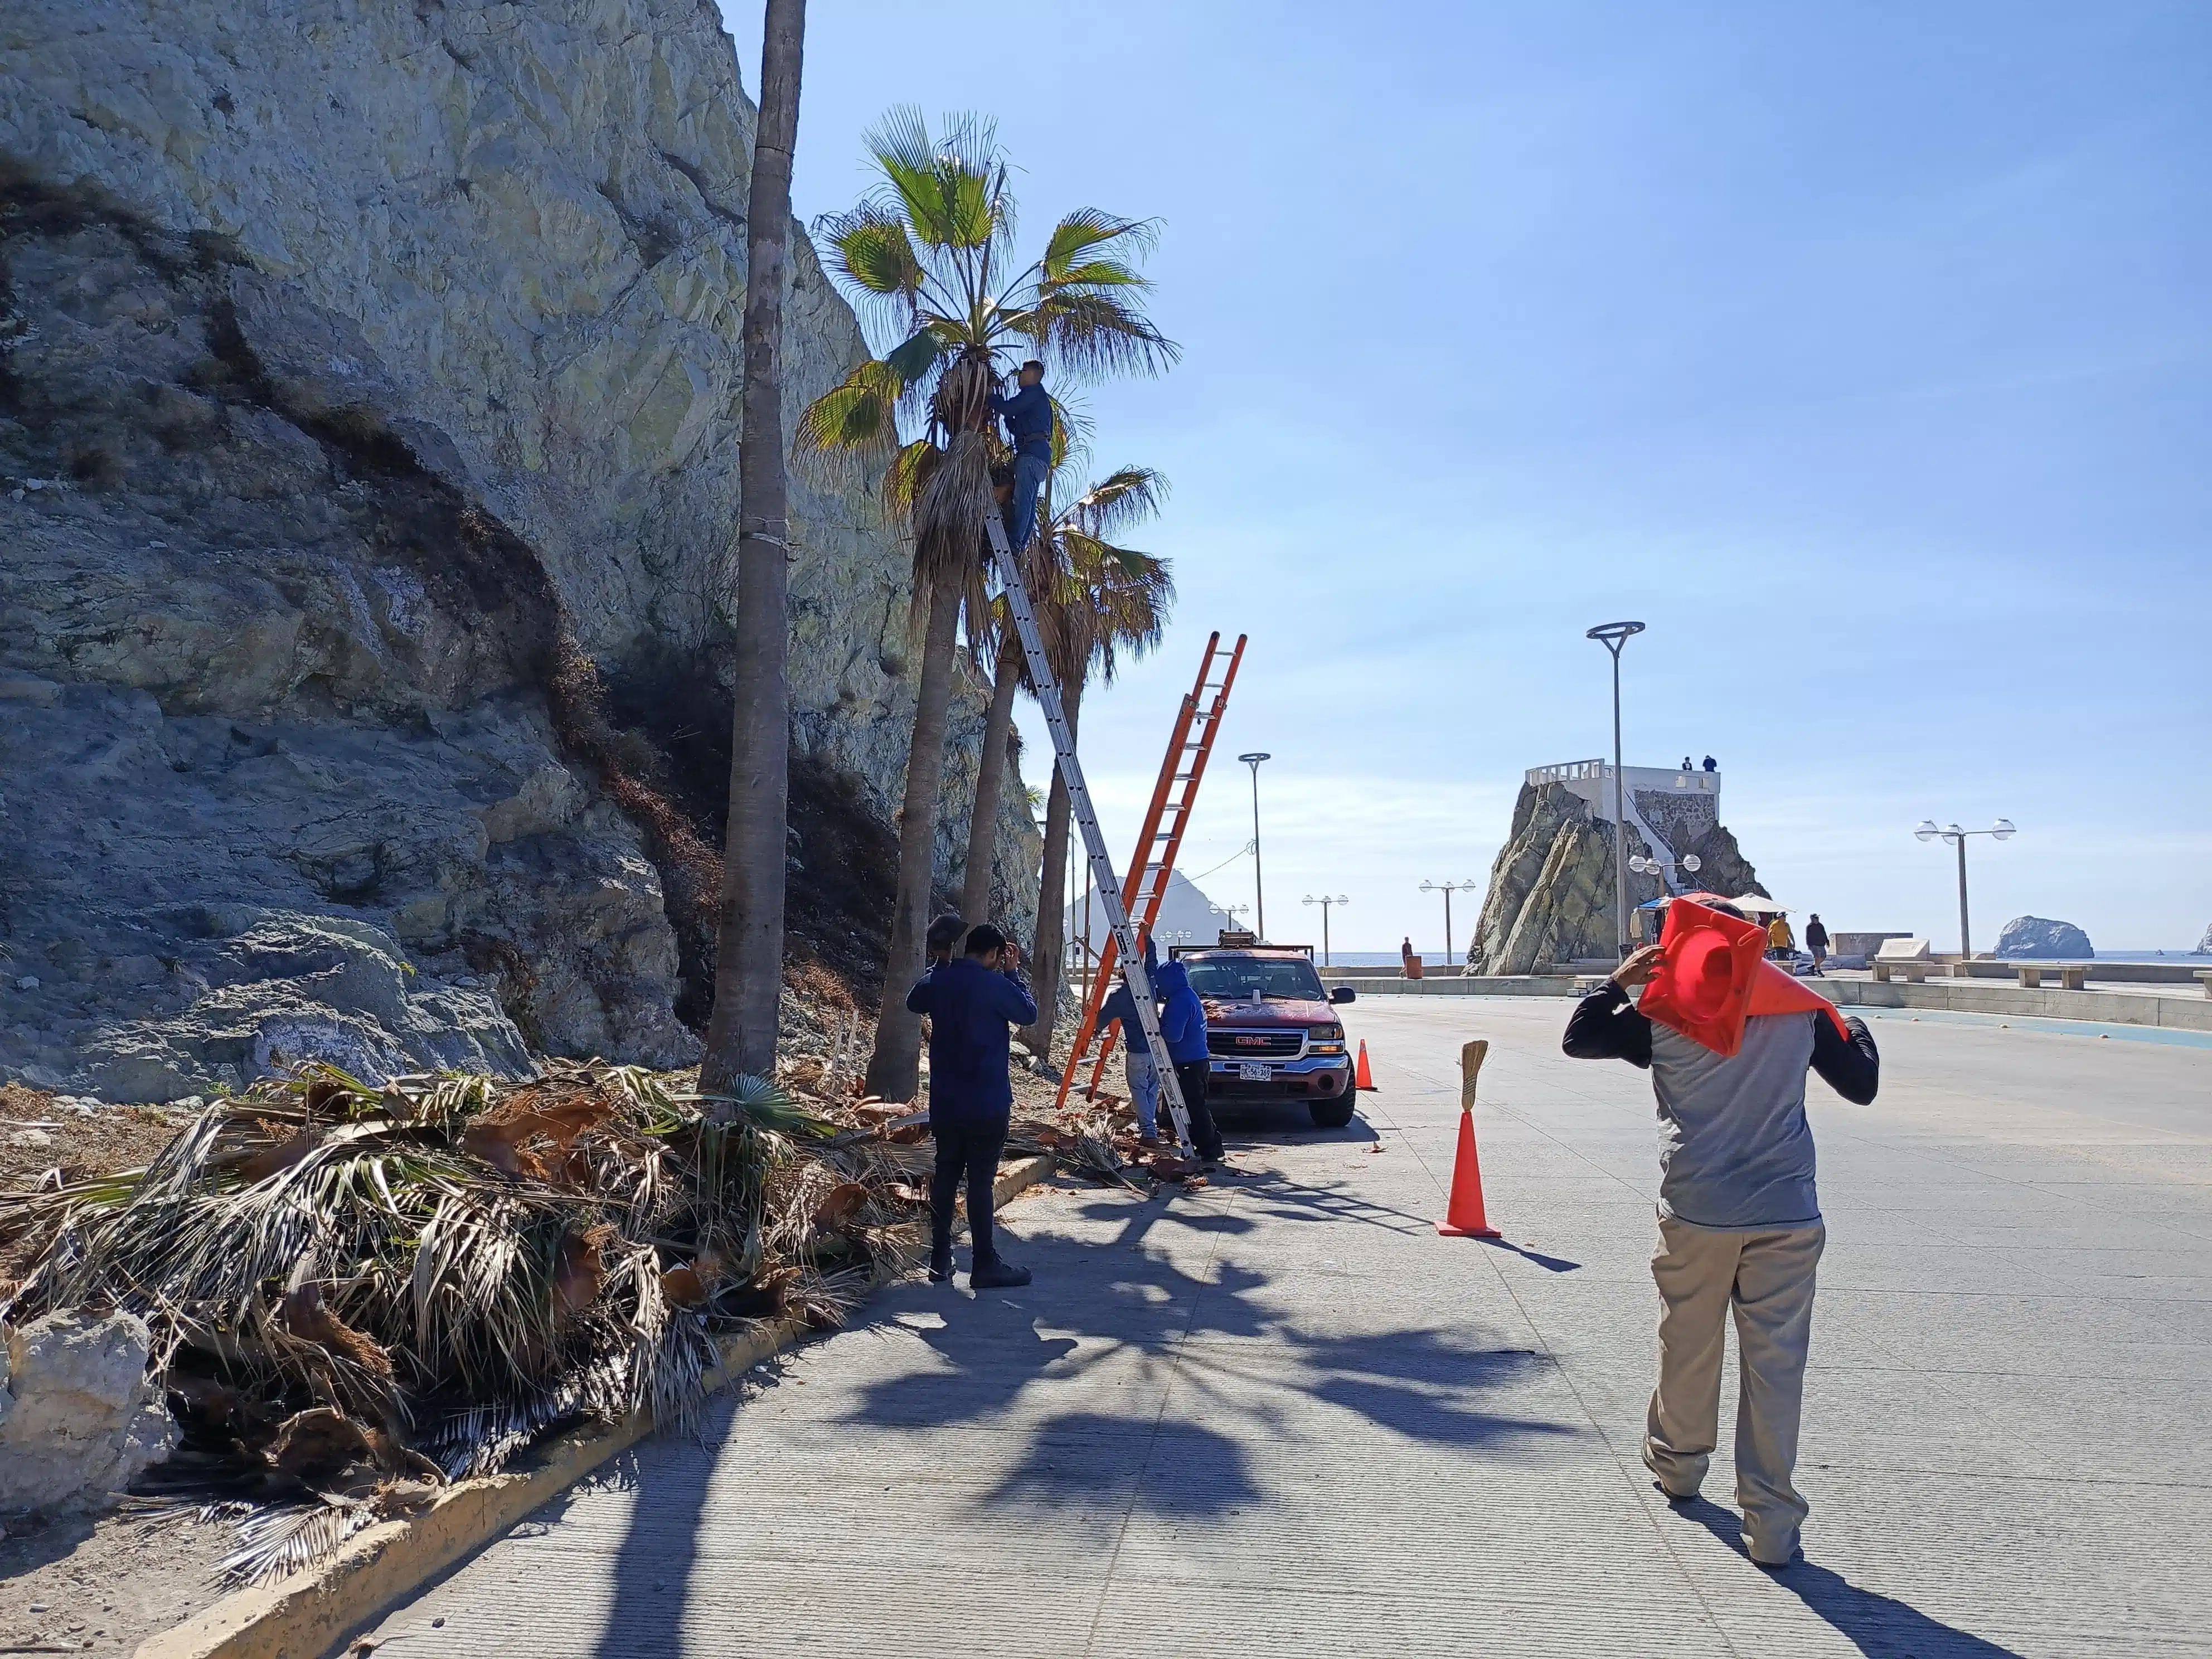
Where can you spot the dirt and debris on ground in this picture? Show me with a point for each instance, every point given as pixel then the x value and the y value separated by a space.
pixel 82 1584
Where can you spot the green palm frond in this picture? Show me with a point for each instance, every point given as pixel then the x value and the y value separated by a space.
pixel 949 189
pixel 858 418
pixel 1123 498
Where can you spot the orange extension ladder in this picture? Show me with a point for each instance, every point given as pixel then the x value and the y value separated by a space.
pixel 1158 843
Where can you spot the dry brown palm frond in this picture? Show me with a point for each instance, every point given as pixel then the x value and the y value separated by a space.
pixel 420 1278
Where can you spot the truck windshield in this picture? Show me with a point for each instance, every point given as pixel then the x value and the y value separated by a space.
pixel 1233 979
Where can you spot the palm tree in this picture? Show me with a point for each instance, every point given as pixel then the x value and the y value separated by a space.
pixel 929 259
pixel 741 1034
pixel 1109 599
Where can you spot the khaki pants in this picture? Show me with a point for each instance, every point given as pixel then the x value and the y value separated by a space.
pixel 1767 1277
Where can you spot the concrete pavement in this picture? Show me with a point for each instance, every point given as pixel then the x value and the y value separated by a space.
pixel 1284 1416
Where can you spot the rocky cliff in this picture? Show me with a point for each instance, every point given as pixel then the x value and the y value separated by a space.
pixel 1551 897
pixel 367 397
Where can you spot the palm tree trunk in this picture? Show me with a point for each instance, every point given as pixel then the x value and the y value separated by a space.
pixel 741 1035
pixel 895 1067
pixel 990 784
pixel 1052 895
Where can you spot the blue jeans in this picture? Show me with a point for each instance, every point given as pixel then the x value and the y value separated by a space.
pixel 1143 1087
pixel 1030 469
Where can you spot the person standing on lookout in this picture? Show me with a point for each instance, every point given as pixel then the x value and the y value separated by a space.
pixel 1727 1039
pixel 974 1002
pixel 1816 940
pixel 1028 414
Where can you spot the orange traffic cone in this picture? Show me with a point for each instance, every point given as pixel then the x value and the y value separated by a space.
pixel 1463 1216
pixel 1363 1078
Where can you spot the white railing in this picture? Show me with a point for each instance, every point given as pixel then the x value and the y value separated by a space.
pixel 1562 773
pixel 1638 777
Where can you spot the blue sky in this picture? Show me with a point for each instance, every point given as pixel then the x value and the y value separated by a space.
pixel 1862 351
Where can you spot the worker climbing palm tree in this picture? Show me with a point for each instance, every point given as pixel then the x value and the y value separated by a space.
pixel 1029 418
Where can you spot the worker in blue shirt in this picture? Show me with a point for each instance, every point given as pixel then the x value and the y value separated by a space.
pixel 973 1001
pixel 1182 1027
pixel 1028 414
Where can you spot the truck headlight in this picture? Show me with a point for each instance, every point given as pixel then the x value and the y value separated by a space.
pixel 1326 1033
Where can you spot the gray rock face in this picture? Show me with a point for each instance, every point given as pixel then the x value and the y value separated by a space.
pixel 1552 898
pixel 2205 945
pixel 78 1419
pixel 321 415
pixel 2036 936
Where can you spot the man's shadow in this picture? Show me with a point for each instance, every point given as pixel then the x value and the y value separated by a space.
pixel 1881 1627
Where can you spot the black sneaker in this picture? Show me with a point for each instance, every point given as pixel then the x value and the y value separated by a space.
pixel 941 1266
pixel 997 1275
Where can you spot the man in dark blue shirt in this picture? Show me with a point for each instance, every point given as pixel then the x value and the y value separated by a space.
pixel 1028 414
pixel 974 1002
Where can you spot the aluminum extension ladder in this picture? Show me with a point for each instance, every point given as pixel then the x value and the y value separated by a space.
pixel 1190 745
pixel 1094 842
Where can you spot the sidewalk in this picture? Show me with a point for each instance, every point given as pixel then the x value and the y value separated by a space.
pixel 1284 1417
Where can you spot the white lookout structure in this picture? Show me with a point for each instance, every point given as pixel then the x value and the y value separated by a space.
pixel 1671 809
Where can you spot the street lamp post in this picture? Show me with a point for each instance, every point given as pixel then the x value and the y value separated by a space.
pixel 1325 902
pixel 1643 866
pixel 1612 636
pixel 1452 943
pixel 1259 894
pixel 2001 831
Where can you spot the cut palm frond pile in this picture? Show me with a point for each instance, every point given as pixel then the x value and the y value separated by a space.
pixel 357 1293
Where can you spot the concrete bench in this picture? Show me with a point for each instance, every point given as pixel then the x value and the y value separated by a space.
pixel 2073 975
pixel 1913 973
pixel 2203 977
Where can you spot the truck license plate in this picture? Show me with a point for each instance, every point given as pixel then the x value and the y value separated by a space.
pixel 1254 1071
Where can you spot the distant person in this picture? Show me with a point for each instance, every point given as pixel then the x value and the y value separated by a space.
pixel 1712 765
pixel 973 1001
pixel 1816 940
pixel 1120 1009
pixel 1183 1026
pixel 1686 766
pixel 1029 418
pixel 1739 1226
pixel 1780 941
pixel 1409 959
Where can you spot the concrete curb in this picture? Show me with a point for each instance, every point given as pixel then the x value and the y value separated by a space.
pixel 307 1614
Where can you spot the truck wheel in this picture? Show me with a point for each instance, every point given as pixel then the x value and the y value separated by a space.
pixel 1334 1114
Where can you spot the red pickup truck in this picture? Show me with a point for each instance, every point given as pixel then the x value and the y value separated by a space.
pixel 1270 1028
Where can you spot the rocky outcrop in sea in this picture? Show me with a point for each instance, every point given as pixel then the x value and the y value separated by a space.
pixel 364 371
pixel 2037 936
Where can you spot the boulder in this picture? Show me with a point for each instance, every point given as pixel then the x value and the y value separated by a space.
pixel 78 1419
pixel 2039 937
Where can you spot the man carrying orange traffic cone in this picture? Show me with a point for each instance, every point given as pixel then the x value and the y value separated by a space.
pixel 1727 1038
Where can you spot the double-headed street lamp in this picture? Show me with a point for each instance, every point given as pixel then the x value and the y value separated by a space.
pixel 1448 888
pixel 1643 866
pixel 2001 831
pixel 1325 902
pixel 1612 636
pixel 1258 897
